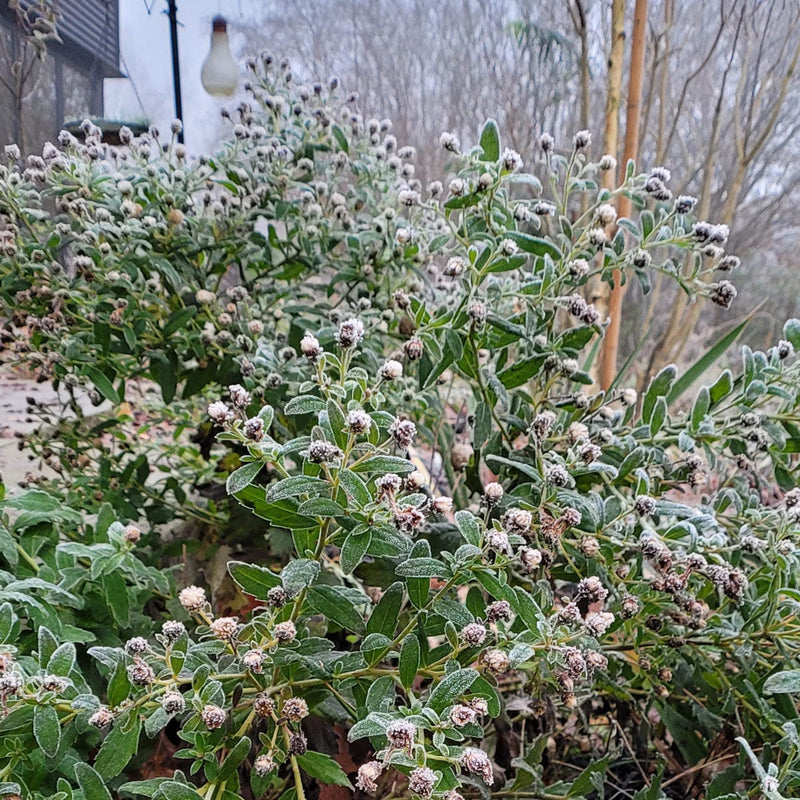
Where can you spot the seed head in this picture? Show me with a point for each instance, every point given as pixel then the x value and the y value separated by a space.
pixel 358 421
pixel 219 412
pixel 322 452
pixel 413 349
pixel 136 645
pixel 597 624
pixel 499 610
pixel 530 558
pixel 141 674
pixel 401 734
pixel 254 661
pixel 263 706
pixel 240 397
pixel 511 160
pixel 391 370
pixel 225 628
pixel 492 493
pixel 263 765
pixel 173 702
pixel 298 744
pixel 101 718
pixel 350 333
pixel 517 520
pixel 496 661
pixel 477 762
pixel 403 432
pixel 582 140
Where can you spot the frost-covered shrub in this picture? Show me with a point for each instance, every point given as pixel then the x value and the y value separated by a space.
pixel 483 567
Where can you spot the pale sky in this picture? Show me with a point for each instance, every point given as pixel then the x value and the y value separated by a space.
pixel 146 59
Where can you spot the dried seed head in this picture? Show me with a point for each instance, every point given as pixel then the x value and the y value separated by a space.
pixel 530 558
pixel 582 139
pixel 172 630
pixel 253 660
pixel 310 347
pixel 219 412
pixel 492 493
pixel 322 452
pixel 136 645
pixel 101 718
pixel 141 674
pixel 298 744
pixel 391 370
pixel 350 333
pixel 517 520
pixel 597 624
pixel 496 661
pixel 264 764
pixel 403 432
pixel 358 421
pixel 240 397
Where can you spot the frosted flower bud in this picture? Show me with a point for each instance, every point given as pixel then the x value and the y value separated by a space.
pixel 240 397
pixel 403 236
pixel 285 632
pixel 661 173
pixel 391 370
pixel 192 598
pixel 723 293
pixel 442 505
pixel 263 706
pixel 389 484
pixel 509 247
pixel 511 160
pixel 136 645
pixel 498 611
pixel 358 421
pixel 517 520
pixel 225 628
pixel 457 187
pixel 295 709
pixel 785 349
pixel 455 266
pixel 607 162
pixel 592 588
pixel 298 744
pixel 546 142
pixel 493 493
pixel 590 453
pixel 475 761
pixel 597 237
pixel 141 674
pixel 310 347
pixel 485 180
pixel 322 452
pixel 630 605
pixel 213 716
pixel 496 661
pixel 543 423
pixel 401 734
pixel 421 781
pixel 473 634
pixel 254 429
pixel 728 263
pixel 578 268
pixel 450 142
pixel 582 139
pixel 606 214
pixel 350 333
pixel 101 718
pixel 461 715
pixel 529 558
pixel 219 412
pixel 556 475
pixel 685 203
pixel 173 702
pixel 263 765
pixel 413 349
pixel 597 624
pixel 629 396
pixel 172 630
pixel 368 775
pixel 403 432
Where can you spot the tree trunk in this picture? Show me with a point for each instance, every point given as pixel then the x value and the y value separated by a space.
pixel 608 369
pixel 598 289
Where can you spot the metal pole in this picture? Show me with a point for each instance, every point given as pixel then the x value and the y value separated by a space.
pixel 176 67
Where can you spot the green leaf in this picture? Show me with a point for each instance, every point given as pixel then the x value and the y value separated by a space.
pixel 384 464
pixel 253 579
pixel 520 372
pixel 385 615
pixel 320 507
pixel 117 598
pixel 93 786
pixel 299 574
pixel 469 527
pixel 331 602
pixel 62 660
pixel 179 319
pixel 295 486
pixel 422 568
pixel 535 245
pixel 237 754
pixel 722 387
pixel 409 660
pixel 658 416
pixel 791 332
pixel 490 141
pixel 324 768
pixel 172 790
pixel 354 487
pixel 354 549
pixel 341 139
pixel 242 477
pixel 102 384
pixel 702 365
pixel 700 408
pixel 451 687
pixel 118 748
pixel 46 729
pixel 787 682
pixel 584 784
pixel 305 404
pixel 659 387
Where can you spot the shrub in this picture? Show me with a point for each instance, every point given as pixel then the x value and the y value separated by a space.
pixel 487 568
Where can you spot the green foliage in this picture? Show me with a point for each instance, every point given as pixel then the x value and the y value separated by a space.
pixel 468 544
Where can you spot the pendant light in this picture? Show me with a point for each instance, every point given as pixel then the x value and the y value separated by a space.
pixel 219 75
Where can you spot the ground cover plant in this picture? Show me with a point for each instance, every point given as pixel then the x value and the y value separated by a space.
pixel 476 575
